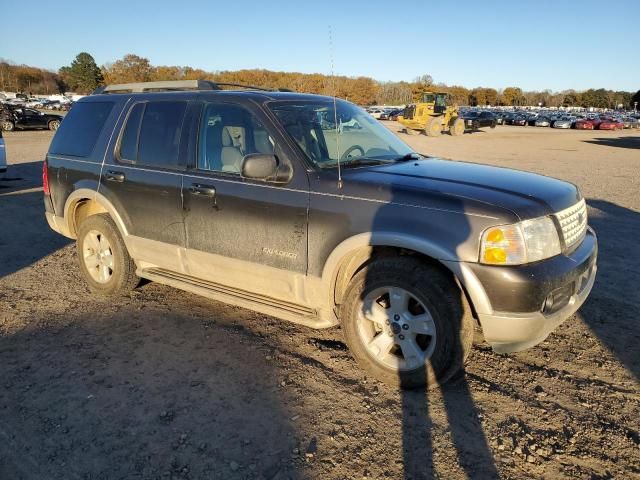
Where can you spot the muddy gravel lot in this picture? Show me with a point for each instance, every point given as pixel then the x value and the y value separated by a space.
pixel 164 384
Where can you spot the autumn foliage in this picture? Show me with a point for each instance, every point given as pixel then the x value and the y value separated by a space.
pixel 360 90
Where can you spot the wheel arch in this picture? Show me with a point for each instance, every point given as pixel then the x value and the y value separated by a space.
pixel 353 254
pixel 85 202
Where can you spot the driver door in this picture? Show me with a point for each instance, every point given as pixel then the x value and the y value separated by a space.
pixel 242 233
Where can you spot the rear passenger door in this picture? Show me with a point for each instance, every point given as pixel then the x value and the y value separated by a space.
pixel 244 233
pixel 143 180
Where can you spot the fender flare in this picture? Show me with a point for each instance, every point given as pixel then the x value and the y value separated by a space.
pixel 448 259
pixel 87 194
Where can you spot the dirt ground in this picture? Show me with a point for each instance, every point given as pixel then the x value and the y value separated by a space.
pixel 165 384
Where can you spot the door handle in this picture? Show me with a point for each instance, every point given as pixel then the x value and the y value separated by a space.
pixel 204 190
pixel 114 176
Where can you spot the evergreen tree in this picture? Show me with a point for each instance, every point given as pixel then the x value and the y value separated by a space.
pixel 83 75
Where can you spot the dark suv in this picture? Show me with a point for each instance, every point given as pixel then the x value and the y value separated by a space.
pixel 246 196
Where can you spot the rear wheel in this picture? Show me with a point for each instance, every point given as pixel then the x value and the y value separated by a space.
pixel 406 322
pixel 8 126
pixel 493 124
pixel 103 257
pixel 457 127
pixel 54 124
pixel 433 127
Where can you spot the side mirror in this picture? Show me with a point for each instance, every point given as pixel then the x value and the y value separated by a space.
pixel 259 166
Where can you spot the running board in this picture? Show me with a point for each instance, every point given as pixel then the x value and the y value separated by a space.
pixel 235 296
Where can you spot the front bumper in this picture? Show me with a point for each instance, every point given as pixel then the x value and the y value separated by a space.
pixel 520 316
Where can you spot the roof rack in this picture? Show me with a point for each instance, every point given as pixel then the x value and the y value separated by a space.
pixel 174 85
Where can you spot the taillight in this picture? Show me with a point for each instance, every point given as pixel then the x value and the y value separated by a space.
pixel 45 177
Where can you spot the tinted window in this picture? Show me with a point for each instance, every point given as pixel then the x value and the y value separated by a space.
pixel 227 134
pixel 79 131
pixel 129 141
pixel 159 138
pixel 152 134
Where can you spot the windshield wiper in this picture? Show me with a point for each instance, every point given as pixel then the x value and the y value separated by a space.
pixel 361 161
pixel 408 156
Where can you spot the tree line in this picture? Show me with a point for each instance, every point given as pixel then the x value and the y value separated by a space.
pixel 83 75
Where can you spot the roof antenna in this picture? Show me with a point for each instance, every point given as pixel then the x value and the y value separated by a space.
pixel 335 111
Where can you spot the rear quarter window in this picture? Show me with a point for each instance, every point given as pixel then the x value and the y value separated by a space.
pixel 80 129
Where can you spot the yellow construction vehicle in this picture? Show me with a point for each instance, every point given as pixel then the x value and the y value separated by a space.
pixel 432 116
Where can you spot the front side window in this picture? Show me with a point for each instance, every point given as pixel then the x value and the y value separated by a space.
pixel 152 134
pixel 227 134
pixel 345 134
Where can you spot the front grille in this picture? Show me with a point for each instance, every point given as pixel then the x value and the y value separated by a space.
pixel 409 111
pixel 573 222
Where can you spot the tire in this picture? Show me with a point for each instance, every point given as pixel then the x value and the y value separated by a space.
pixel 98 234
pixel 444 352
pixel 457 127
pixel 8 126
pixel 410 131
pixel 493 124
pixel 53 125
pixel 433 127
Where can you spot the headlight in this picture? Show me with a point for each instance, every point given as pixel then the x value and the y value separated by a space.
pixel 523 242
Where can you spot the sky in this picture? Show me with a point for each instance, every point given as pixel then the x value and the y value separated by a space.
pixel 534 45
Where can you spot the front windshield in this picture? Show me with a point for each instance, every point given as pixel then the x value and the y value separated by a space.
pixel 355 138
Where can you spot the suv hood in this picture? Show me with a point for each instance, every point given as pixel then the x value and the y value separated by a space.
pixel 525 194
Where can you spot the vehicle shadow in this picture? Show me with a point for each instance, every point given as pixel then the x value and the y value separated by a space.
pixel 612 311
pixel 620 142
pixel 445 304
pixel 130 393
pixel 25 236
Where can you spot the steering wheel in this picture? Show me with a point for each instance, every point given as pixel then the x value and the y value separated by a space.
pixel 350 150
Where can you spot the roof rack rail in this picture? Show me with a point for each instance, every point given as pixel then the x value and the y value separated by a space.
pixel 175 85
pixel 163 86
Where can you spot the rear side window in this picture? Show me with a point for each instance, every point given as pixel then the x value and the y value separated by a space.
pixel 80 129
pixel 152 134
pixel 129 142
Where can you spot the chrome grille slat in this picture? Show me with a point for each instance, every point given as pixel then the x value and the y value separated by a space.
pixel 573 222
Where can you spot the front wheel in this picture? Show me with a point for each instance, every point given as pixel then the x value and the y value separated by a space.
pixel 103 257
pixel 8 126
pixel 457 127
pixel 406 323
pixel 410 131
pixel 54 124
pixel 433 127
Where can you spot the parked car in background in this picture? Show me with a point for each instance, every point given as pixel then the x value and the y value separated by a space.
pixel 563 122
pixel 500 118
pixel 15 102
pixel 585 124
pixel 519 120
pixel 610 124
pixel 394 114
pixel 542 122
pixel 507 118
pixel 376 113
pixel 33 103
pixel 630 122
pixel 28 118
pixel 475 119
pixel 3 157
